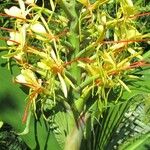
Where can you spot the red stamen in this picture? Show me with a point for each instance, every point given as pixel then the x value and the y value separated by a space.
pixel 7 29
pixel 31 97
pixel 6 39
pixel 5 15
pixel 140 15
pixel 84 59
pixel 26 111
pixel 123 41
pixel 138 64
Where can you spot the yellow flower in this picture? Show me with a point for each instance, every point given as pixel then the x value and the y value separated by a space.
pixel 14 11
pixel 18 36
pixel 14 36
pixel 63 85
pixel 28 78
pixel 18 12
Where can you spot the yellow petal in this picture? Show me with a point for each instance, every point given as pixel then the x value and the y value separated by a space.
pixel 124 85
pixel 84 2
pixel 21 79
pixel 53 55
pixel 29 76
pixel 63 85
pixel 22 6
pixel 43 65
pixel 129 2
pixel 69 82
pixel 132 51
pixel 13 11
pixel 30 1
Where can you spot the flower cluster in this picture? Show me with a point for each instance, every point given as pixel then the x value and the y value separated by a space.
pixel 31 39
pixel 62 57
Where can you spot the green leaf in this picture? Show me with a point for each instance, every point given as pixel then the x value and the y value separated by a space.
pixel 136 143
pixel 2 42
pixel 140 85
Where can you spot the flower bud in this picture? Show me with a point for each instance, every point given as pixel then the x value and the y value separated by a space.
pixel 38 28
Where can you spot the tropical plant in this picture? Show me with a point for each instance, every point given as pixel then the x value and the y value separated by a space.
pixel 83 70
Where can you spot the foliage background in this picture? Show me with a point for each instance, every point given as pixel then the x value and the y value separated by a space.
pixel 11 97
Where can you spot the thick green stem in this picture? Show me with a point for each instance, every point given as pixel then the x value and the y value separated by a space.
pixel 74 139
pixel 70 9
